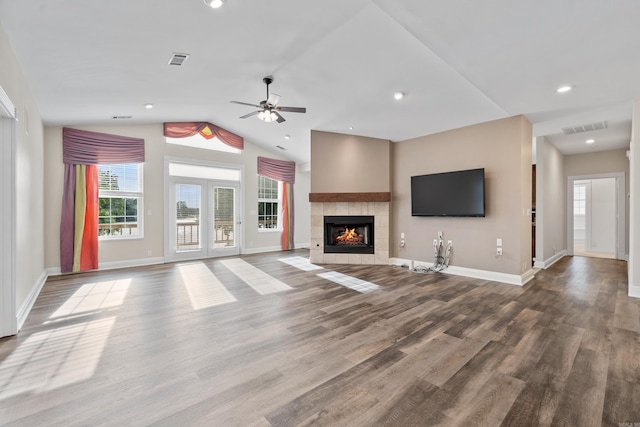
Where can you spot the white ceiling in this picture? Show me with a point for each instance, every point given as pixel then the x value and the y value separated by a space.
pixel 459 62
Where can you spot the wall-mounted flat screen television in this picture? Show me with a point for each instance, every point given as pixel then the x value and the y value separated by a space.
pixel 459 193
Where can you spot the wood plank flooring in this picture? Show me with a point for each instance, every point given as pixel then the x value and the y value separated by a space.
pixel 194 344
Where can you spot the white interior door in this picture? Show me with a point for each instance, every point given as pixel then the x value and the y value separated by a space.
pixel 602 216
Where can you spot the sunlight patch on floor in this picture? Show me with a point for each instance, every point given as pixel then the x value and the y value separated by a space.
pixel 301 263
pixel 349 282
pixel 94 297
pixel 260 281
pixel 55 358
pixel 203 287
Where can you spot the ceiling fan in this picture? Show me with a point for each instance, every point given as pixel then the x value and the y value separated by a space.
pixel 269 110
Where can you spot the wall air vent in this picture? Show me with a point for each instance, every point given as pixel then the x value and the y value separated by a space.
pixel 584 128
pixel 178 59
pixel 121 117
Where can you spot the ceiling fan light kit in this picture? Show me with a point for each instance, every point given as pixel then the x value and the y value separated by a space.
pixel 269 108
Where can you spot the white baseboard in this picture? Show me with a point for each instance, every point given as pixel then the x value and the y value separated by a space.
pixel 634 291
pixel 511 279
pixel 250 251
pixel 130 263
pixel 550 261
pixel 24 311
pixel 56 271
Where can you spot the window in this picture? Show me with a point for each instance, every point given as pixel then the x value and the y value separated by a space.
pixel 120 201
pixel 268 203
pixel 579 199
pixel 198 141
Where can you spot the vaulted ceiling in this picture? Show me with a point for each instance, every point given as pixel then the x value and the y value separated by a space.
pixel 458 62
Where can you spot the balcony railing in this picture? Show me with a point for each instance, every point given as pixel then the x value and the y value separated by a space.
pixel 118 229
pixel 188 234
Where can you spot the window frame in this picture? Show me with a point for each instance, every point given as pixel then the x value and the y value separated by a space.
pixel 124 194
pixel 277 201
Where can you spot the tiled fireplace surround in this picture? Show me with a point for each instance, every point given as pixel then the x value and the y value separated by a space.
pixel 380 212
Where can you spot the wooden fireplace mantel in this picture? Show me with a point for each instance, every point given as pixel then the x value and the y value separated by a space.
pixel 350 197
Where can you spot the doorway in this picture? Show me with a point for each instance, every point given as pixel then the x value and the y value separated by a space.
pixel 203 212
pixel 596 216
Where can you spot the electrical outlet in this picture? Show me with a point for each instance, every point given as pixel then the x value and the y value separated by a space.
pixel 402 235
pixel 435 242
pixel 449 243
pixel 498 251
pixel 439 234
pixel 499 242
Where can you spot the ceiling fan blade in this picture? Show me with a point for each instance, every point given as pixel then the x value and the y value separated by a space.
pixel 280 118
pixel 246 103
pixel 273 99
pixel 250 114
pixel 292 109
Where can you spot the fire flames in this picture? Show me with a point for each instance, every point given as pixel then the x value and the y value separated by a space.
pixel 349 236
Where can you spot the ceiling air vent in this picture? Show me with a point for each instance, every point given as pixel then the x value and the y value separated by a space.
pixel 178 58
pixel 584 128
pixel 281 147
pixel 121 117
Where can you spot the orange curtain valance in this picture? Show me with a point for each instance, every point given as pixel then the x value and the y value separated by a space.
pixel 205 129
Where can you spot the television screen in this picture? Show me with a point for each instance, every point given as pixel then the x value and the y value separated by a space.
pixel 459 193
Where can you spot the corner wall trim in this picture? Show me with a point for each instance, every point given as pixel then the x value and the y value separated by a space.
pixel 511 279
pixel 550 261
pixel 24 311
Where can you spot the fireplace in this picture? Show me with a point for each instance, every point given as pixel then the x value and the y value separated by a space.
pixel 349 234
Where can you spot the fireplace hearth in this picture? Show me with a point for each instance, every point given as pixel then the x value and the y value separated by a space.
pixel 349 234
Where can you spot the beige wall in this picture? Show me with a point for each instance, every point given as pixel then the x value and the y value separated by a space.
pixel 154 198
pixel 597 163
pixel 349 164
pixel 29 209
pixel 550 201
pixel 500 147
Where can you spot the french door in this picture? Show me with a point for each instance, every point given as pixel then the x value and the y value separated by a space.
pixel 204 219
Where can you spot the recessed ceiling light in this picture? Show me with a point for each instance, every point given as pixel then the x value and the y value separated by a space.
pixel 590 141
pixel 350 127
pixel 213 3
pixel 148 106
pixel 398 95
pixel 564 89
pixel 287 136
